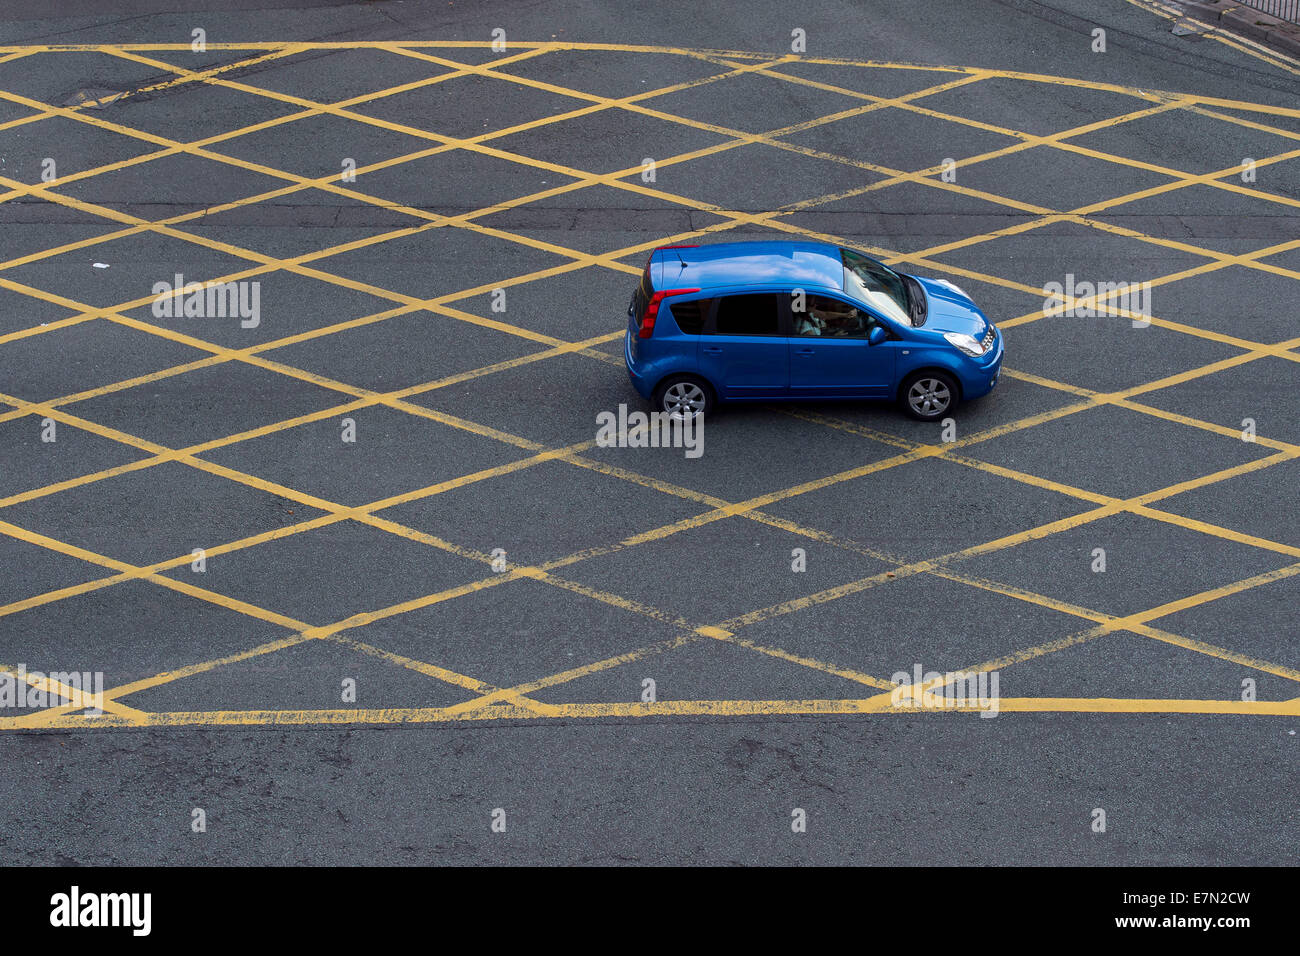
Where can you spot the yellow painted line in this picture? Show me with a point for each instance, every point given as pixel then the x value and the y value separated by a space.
pixel 1133 623
pixel 920 93
pixel 1136 623
pixel 1223 653
pixel 862 584
pixel 1241 44
pixel 905 569
pixel 1103 705
pixel 332 632
pixel 323 183
pixel 475 145
pixel 190 76
pixel 716 633
pixel 615 600
pixel 58 594
pixel 739 508
pixel 688 708
pixel 1213 179
pixel 702 81
pixel 975 437
pixel 80 699
pixel 1224 430
pixel 643 653
pixel 292 265
pixel 1243 122
pixel 420 667
pixel 835 671
pixel 607 47
pixel 51 717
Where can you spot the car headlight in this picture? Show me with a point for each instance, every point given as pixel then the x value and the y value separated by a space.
pixel 967 343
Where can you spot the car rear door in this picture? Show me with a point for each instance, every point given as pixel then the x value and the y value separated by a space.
pixel 744 350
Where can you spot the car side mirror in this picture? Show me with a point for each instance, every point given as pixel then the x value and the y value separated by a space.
pixel 877 335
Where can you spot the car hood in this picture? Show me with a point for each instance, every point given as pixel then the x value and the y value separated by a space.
pixel 951 310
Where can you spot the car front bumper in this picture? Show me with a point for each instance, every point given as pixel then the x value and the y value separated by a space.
pixel 982 374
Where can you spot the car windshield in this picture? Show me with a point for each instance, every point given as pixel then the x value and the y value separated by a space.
pixel 877 285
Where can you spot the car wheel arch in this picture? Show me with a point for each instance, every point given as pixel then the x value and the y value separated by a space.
pixel 929 369
pixel 688 373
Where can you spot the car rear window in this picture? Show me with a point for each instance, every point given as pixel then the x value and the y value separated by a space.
pixel 641 297
pixel 750 314
pixel 690 315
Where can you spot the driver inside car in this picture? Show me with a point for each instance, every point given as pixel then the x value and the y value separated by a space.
pixel 830 317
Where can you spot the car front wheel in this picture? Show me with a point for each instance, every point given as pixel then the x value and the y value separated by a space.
pixel 929 396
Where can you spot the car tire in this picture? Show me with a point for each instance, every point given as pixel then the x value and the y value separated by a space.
pixel 678 394
pixel 929 396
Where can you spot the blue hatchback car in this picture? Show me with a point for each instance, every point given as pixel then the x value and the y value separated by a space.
pixel 794 319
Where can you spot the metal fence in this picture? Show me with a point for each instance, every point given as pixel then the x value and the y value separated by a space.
pixel 1288 10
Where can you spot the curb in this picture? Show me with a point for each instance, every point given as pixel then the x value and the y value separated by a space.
pixel 1247 21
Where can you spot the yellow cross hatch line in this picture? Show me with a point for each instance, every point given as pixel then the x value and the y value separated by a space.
pixel 490 702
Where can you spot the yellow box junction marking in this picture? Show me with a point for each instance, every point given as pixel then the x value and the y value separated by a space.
pixel 496 703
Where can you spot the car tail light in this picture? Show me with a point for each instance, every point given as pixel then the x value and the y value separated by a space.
pixel 647 326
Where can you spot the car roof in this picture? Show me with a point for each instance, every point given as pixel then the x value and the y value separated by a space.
pixel 771 262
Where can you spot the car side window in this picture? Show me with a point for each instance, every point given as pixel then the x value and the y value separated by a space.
pixel 755 313
pixel 690 315
pixel 831 318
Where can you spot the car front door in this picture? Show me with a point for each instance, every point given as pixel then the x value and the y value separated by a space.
pixel 830 353
pixel 743 350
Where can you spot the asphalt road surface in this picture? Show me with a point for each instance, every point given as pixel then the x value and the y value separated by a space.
pixel 358 579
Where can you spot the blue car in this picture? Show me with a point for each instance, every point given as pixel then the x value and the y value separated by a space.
pixel 746 321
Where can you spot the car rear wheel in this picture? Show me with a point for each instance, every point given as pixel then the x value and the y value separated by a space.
pixel 684 397
pixel 929 395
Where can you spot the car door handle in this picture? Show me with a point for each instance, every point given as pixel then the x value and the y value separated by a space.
pixel 712 350
pixel 803 352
